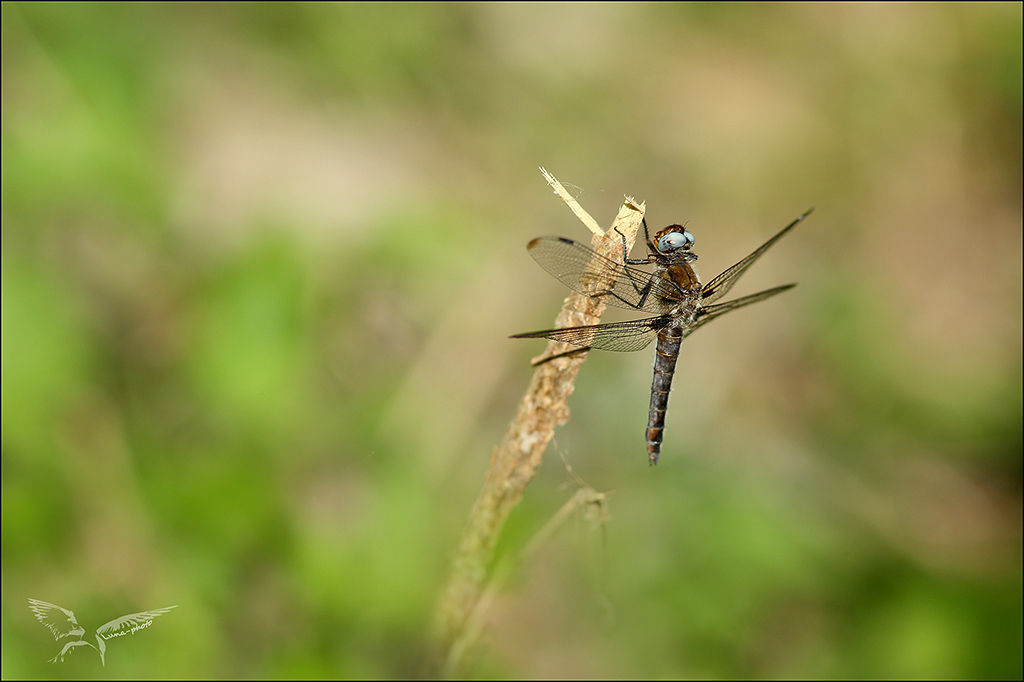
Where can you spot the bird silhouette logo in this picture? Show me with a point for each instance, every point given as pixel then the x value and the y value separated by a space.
pixel 62 623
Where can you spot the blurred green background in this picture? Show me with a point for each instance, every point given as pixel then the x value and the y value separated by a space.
pixel 259 267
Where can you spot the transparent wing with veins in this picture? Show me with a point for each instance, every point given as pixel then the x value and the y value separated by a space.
pixel 708 313
pixel 720 286
pixel 583 270
pixel 615 336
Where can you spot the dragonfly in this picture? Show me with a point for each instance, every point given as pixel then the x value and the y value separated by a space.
pixel 672 292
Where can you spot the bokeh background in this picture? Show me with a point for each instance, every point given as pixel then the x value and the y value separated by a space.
pixel 259 267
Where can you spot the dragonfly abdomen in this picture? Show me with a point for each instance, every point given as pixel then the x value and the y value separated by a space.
pixel 669 341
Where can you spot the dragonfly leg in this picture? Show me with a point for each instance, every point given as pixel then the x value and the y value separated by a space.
pixel 625 252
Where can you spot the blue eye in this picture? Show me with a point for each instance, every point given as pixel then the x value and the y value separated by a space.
pixel 673 241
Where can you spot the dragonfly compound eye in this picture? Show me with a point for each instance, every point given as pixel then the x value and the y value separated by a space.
pixel 673 241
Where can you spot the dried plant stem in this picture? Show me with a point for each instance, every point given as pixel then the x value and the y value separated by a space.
pixel 515 460
pixel 586 500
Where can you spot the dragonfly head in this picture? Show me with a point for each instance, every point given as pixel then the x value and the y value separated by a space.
pixel 673 239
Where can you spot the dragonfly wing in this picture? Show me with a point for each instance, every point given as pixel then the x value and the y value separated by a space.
pixel 583 270
pixel 719 286
pixel 712 311
pixel 614 336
